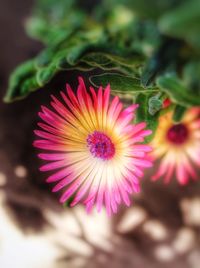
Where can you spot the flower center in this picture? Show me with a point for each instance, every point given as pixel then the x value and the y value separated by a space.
pixel 100 145
pixel 178 134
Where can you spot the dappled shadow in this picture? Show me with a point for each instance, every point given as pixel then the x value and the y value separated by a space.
pixel 143 237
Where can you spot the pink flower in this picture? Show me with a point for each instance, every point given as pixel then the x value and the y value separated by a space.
pixel 92 148
pixel 178 147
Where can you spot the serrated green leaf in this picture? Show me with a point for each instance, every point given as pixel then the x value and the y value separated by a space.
pixel 22 73
pixel 108 62
pixel 74 54
pixel 62 64
pixel 44 75
pixel 120 83
pixel 96 59
pixel 117 42
pixel 177 92
pixel 27 86
pixel 128 61
pixel 44 58
pixel 108 65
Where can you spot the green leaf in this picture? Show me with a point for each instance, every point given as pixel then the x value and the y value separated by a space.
pixel 120 83
pixel 16 85
pixel 62 64
pixel 179 112
pixel 40 71
pixel 150 10
pixel 163 58
pixel 127 50
pixel 109 62
pixel 191 76
pixel 183 22
pixel 27 86
pixel 44 75
pixel 96 59
pixel 143 115
pixel 101 58
pixel 53 21
pixel 177 92
pixel 155 104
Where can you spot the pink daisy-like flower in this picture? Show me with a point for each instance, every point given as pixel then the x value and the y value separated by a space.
pixel 96 157
pixel 178 146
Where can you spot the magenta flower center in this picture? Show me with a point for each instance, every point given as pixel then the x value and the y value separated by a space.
pixel 178 134
pixel 100 145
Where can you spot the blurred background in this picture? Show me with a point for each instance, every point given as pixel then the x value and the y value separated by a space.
pixel 160 229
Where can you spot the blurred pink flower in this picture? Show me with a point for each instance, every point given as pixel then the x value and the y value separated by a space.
pixel 178 147
pixel 96 156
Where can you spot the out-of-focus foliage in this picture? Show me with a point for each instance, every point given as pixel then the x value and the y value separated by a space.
pixel 146 50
